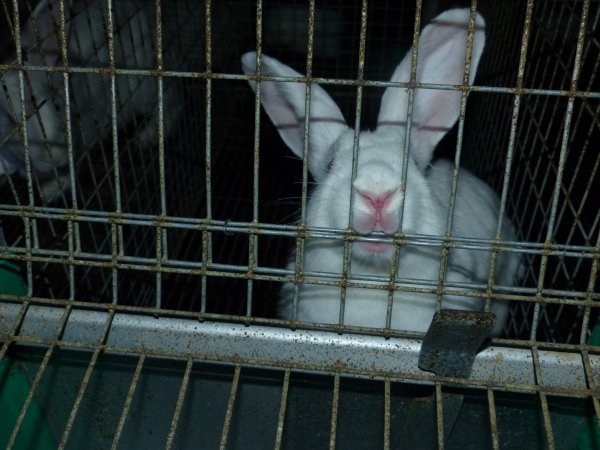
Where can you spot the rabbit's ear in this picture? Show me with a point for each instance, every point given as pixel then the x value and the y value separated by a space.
pixel 40 36
pixel 441 60
pixel 284 102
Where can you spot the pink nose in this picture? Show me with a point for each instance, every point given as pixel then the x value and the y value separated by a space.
pixel 378 217
pixel 377 202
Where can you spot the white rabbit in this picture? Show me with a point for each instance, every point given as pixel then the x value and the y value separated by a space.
pixel 377 194
pixel 90 97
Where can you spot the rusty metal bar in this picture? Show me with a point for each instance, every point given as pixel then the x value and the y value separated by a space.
pixel 334 411
pixel 454 185
pixel 511 145
pixel 405 158
pixel 439 414
pixel 493 419
pixel 116 230
pixel 318 80
pixel 562 159
pixel 299 242
pixel 543 399
pixel 56 333
pixel 161 235
pixel 128 400
pixel 590 290
pixel 85 382
pixel 230 406
pixel 282 408
pixel 281 230
pixel 591 382
pixel 72 227
pixel 207 236
pixel 468 289
pixel 179 405
pixel 547 422
pixel 525 295
pixel 252 238
pixel 29 398
pixel 387 415
pixel 22 122
pixel 500 368
pixel 553 249
pixel 347 255
pixel 543 368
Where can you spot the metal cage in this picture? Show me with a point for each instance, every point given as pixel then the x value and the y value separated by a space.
pixel 138 299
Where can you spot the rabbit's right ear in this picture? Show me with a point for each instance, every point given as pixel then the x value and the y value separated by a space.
pixel 284 102
pixel 40 36
pixel 441 60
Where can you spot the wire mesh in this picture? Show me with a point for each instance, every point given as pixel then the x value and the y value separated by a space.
pixel 197 222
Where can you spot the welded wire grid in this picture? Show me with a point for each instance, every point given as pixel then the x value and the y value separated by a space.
pixel 197 225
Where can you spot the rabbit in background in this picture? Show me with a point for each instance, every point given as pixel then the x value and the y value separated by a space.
pixel 89 94
pixel 377 192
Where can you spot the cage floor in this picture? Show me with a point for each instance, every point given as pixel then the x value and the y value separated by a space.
pixel 254 419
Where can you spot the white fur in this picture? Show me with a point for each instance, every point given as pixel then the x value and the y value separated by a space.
pixel 90 96
pixel 442 49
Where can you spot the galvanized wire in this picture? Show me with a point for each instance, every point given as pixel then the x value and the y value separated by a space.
pixel 536 110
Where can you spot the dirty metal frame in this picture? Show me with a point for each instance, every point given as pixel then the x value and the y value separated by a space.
pixel 530 366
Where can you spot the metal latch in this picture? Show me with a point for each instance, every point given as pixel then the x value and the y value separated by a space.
pixel 449 349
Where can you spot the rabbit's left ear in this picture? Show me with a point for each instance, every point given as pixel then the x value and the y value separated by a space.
pixel 441 60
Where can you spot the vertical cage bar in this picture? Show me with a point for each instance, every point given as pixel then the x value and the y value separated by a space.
pixel 282 408
pixel 179 405
pixel 439 414
pixel 547 421
pixel 561 163
pixel 29 398
pixel 161 234
pixel 230 406
pixel 360 75
pixel 116 230
pixel 38 377
pixel 543 399
pixel 114 259
pixel 299 263
pixel 405 158
pixel 207 236
pixel 493 419
pixel 28 223
pixel 387 415
pixel 307 101
pixel 72 227
pixel 23 113
pixel 252 238
pixel 85 381
pixel 591 383
pixel 454 186
pixel 461 126
pixel 590 291
pixel 511 145
pixel 128 400
pixel 334 411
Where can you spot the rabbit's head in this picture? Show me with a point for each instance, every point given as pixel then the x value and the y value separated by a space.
pixel 378 190
pixel 43 98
